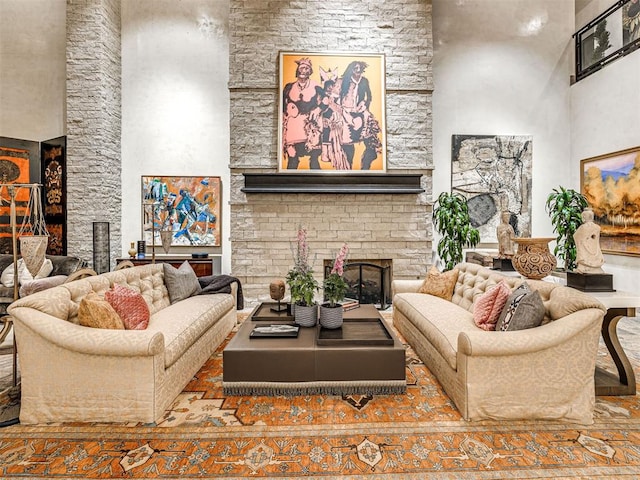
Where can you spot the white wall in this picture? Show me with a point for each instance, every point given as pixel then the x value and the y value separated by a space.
pixel 32 69
pixel 503 67
pixel 175 100
pixel 604 119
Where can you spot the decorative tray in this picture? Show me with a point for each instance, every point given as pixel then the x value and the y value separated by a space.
pixel 265 311
pixel 356 331
pixel 280 330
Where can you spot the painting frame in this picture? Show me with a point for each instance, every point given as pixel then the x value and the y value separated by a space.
pixel 190 206
pixel 323 125
pixel 606 181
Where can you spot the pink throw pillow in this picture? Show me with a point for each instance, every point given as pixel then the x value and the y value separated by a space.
pixel 489 305
pixel 130 306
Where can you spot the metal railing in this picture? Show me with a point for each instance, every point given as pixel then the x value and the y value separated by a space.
pixel 613 34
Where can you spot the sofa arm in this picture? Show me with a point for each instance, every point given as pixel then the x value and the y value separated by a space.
pixel 87 340
pixel 519 342
pixel 405 286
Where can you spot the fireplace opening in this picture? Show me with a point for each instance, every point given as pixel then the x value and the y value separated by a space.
pixel 368 281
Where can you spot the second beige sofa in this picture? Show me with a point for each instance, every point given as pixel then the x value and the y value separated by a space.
pixel 545 372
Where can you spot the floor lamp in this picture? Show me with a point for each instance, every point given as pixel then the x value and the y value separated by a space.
pixel 12 189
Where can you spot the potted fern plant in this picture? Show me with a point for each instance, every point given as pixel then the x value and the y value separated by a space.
pixel 565 206
pixel 451 219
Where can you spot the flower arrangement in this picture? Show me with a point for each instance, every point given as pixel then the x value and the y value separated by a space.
pixel 302 283
pixel 335 288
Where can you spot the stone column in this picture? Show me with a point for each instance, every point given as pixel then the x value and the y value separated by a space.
pixel 93 123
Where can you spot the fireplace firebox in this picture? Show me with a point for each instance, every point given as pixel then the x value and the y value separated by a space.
pixel 369 282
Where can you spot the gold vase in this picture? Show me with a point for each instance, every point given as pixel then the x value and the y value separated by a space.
pixel 132 251
pixel 533 258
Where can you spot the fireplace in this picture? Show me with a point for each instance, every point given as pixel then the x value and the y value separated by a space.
pixel 369 281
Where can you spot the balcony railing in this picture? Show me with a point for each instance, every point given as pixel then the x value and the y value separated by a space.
pixel 613 34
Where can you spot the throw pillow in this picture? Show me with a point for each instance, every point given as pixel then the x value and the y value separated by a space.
pixel 130 306
pixel 440 284
pixel 94 311
pixel 524 309
pixel 181 282
pixel 24 275
pixel 489 306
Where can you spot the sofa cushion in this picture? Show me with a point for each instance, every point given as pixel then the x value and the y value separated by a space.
pixel 24 275
pixel 130 306
pixel 489 306
pixel 183 323
pixel 181 282
pixel 439 320
pixel 440 284
pixel 524 309
pixel 96 312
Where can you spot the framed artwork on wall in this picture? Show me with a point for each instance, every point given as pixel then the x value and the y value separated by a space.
pixel 611 185
pixel 332 113
pixel 493 172
pixel 189 207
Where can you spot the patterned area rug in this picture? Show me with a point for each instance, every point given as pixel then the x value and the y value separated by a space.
pixel 417 435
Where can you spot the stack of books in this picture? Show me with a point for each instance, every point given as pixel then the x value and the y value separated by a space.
pixel 350 304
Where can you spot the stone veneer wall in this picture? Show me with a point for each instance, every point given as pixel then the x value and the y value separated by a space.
pixel 375 226
pixel 93 123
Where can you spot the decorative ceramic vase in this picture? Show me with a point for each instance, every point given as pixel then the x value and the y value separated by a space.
pixel 331 317
pixel 132 251
pixel 165 237
pixel 33 249
pixel 306 316
pixel 533 258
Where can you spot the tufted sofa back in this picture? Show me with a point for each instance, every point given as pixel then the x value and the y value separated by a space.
pixel 559 301
pixel 63 301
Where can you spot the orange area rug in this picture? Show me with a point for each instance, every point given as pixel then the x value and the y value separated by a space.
pixel 416 435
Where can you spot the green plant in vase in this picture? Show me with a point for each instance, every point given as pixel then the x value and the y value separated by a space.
pixel 451 219
pixel 335 287
pixel 565 207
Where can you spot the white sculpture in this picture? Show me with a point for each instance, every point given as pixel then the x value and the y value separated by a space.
pixel 505 234
pixel 589 258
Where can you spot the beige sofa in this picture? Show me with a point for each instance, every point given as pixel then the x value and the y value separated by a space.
pixel 74 373
pixel 546 372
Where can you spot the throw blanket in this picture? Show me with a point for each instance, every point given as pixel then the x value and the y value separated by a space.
pixel 221 284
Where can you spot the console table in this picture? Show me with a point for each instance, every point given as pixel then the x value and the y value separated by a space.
pixel 619 304
pixel 202 266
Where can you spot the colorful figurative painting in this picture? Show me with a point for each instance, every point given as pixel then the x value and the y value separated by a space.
pixel 611 184
pixel 187 206
pixel 331 116
pixel 493 172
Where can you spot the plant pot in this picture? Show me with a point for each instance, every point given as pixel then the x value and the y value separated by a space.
pixel 331 317
pixel 533 258
pixel 306 316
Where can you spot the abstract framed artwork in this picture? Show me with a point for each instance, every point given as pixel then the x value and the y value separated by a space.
pixel 494 173
pixel 610 184
pixel 332 113
pixel 190 207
